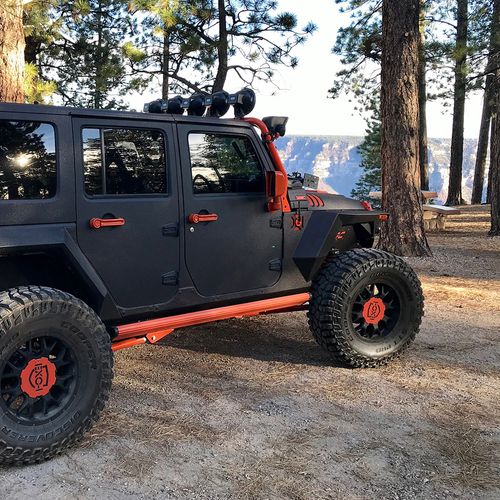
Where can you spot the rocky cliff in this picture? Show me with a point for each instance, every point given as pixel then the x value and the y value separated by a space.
pixel 335 159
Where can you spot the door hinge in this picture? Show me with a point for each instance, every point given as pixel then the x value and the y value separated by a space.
pixel 170 278
pixel 170 229
pixel 275 265
pixel 276 223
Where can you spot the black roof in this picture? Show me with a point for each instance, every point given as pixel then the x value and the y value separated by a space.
pixel 6 108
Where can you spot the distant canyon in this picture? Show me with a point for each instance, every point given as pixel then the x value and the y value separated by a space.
pixel 336 159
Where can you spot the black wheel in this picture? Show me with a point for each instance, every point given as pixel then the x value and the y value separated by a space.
pixel 366 307
pixel 56 368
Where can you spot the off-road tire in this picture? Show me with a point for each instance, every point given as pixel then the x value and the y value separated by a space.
pixel 336 288
pixel 32 317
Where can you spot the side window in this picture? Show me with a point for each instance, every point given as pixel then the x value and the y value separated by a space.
pixel 123 161
pixel 224 164
pixel 27 160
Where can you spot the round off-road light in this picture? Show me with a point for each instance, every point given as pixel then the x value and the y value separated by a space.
pixel 197 105
pixel 175 105
pixel 158 106
pixel 243 102
pixel 220 104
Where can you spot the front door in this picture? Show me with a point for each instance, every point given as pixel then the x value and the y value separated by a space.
pixel 232 243
pixel 127 207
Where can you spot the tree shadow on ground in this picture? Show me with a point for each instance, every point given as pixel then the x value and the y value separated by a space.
pixel 251 339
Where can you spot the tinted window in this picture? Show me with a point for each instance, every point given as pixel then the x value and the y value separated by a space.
pixel 27 160
pixel 224 164
pixel 123 161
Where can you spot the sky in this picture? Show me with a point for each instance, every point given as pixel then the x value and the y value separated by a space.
pixel 303 93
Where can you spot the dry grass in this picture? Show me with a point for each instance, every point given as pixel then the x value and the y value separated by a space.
pixel 160 426
pixel 472 454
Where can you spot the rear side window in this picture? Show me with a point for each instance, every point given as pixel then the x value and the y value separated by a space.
pixel 121 161
pixel 27 160
pixel 224 164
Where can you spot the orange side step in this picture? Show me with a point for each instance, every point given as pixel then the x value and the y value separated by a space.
pixel 153 330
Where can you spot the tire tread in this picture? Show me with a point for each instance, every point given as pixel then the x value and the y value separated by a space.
pixel 329 292
pixel 25 302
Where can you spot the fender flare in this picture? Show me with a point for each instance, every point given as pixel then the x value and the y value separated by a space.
pixel 61 237
pixel 329 230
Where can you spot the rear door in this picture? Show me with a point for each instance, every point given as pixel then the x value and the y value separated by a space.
pixel 223 170
pixel 127 207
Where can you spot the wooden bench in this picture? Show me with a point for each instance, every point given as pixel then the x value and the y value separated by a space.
pixel 434 215
pixel 428 195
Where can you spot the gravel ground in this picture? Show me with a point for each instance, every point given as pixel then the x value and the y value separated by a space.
pixel 253 408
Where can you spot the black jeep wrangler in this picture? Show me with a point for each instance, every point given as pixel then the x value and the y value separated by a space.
pixel 116 228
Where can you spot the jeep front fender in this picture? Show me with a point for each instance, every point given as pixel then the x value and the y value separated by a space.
pixel 329 230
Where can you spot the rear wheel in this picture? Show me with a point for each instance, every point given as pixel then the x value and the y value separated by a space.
pixel 366 307
pixel 55 372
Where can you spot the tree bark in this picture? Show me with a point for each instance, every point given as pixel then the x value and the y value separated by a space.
pixel 403 233
pixel 11 51
pixel 222 49
pixel 422 104
pixel 492 139
pixel 482 145
pixel 457 135
pixel 495 163
pixel 494 174
pixel 99 77
pixel 489 95
pixel 165 64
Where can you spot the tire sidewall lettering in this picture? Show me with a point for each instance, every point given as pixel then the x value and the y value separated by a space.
pixel 36 438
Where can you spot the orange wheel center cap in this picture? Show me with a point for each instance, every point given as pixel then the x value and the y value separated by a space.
pixel 373 310
pixel 38 377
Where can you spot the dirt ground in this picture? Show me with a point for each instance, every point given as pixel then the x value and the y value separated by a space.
pixel 253 408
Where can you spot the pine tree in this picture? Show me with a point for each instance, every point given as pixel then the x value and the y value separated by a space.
pixel 87 63
pixel 371 178
pixel 495 162
pixel 488 98
pixel 165 49
pixel 195 44
pixel 401 197
pixel 459 93
pixel 423 145
pixel 494 174
pixel 360 45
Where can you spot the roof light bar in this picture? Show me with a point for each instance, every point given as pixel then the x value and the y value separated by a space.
pixel 217 104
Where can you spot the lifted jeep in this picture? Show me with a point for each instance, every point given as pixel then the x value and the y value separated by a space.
pixel 117 228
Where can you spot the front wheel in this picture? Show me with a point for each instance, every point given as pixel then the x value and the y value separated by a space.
pixel 366 307
pixel 55 372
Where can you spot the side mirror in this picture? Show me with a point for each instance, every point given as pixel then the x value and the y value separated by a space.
pixel 276 188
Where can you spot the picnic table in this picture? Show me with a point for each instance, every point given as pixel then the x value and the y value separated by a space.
pixel 428 195
pixel 434 215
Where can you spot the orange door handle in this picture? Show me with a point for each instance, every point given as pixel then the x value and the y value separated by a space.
pixel 96 223
pixel 195 218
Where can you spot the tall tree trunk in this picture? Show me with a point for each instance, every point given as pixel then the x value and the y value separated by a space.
pixel 165 63
pixel 11 51
pixel 403 233
pixel 457 134
pixel 495 162
pixel 482 145
pixel 492 140
pixel 489 95
pixel 494 174
pixel 422 104
pixel 99 60
pixel 222 49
